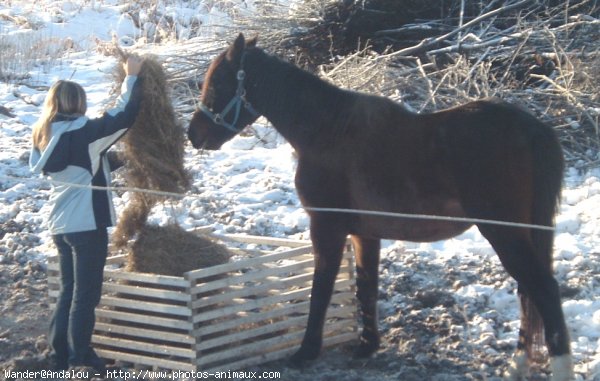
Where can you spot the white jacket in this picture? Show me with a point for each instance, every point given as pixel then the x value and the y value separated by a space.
pixel 76 154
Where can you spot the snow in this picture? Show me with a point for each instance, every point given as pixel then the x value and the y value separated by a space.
pixel 247 187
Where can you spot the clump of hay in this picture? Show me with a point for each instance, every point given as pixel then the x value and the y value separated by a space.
pixel 171 250
pixel 153 150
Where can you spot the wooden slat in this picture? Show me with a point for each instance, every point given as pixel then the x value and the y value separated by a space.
pixel 265 327
pixel 202 230
pixel 252 318
pixel 245 263
pixel 272 275
pixel 286 340
pixel 133 304
pixel 234 279
pixel 53 279
pixel 243 291
pixel 342 298
pixel 271 241
pixel 297 254
pixel 297 322
pixel 169 295
pixel 246 308
pixel 116 259
pixel 251 304
pixel 271 282
pixel 155 279
pixel 144 347
pixel 109 328
pixel 138 359
pixel 302 293
pixel 291 339
pixel 279 354
pixel 258 317
pixel 143 319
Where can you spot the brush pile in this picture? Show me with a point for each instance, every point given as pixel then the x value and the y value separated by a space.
pixel 436 54
pixel 340 27
pixel 152 151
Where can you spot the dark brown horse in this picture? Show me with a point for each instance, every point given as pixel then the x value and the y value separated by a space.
pixel 484 160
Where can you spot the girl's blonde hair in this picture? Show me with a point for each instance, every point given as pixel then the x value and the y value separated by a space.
pixel 64 98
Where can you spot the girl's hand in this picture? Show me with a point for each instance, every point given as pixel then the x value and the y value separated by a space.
pixel 133 65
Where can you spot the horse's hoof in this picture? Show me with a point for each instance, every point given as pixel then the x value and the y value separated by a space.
pixel 366 349
pixel 562 368
pixel 301 358
pixel 518 367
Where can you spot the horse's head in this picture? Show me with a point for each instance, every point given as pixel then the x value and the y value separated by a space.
pixel 224 110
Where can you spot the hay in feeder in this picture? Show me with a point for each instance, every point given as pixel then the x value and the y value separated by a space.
pixel 153 150
pixel 171 250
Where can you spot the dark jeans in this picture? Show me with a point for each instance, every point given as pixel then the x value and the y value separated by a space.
pixel 82 257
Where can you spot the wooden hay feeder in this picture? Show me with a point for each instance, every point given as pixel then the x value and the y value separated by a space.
pixel 226 317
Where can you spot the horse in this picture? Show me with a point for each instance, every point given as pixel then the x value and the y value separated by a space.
pixel 484 161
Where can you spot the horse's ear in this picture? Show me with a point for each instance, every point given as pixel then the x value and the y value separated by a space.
pixel 234 53
pixel 251 43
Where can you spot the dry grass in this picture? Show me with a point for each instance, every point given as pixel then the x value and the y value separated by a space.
pixel 547 64
pixel 152 149
pixel 171 250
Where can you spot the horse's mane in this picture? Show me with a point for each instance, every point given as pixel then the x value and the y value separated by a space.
pixel 308 104
pixel 205 91
pixel 280 68
pixel 293 91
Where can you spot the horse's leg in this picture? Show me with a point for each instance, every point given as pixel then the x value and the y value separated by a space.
pixel 367 276
pixel 535 281
pixel 529 333
pixel 328 246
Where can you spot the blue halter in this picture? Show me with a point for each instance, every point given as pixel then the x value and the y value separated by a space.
pixel 235 104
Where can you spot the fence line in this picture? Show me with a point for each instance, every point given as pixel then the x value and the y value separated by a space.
pixel 430 217
pixel 94 187
pixel 307 208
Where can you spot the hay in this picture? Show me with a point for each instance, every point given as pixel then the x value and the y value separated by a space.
pixel 171 250
pixel 153 150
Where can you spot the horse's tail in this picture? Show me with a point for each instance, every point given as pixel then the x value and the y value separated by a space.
pixel 548 167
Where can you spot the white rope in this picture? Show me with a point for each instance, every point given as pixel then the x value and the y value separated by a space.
pixel 313 209
pixel 94 187
pixel 430 217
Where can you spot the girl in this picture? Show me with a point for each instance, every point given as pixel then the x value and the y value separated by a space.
pixel 71 148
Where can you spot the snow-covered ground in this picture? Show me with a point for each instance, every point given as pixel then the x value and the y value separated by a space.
pixel 247 187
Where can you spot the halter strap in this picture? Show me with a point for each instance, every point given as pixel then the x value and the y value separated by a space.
pixel 235 104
